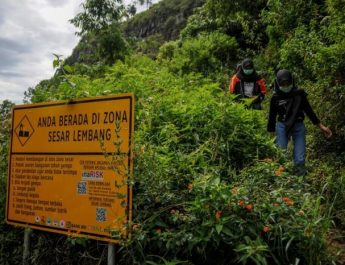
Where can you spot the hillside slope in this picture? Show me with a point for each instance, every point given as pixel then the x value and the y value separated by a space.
pixel 166 18
pixel 161 22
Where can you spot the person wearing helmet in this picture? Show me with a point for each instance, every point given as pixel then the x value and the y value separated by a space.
pixel 290 104
pixel 248 84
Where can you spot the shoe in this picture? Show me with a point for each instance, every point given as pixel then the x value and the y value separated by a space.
pixel 300 170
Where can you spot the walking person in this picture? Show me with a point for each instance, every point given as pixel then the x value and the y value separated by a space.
pixel 290 104
pixel 248 84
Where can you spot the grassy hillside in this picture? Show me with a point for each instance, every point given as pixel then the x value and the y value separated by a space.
pixel 210 185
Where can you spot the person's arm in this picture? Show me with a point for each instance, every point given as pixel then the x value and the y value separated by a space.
pixel 309 110
pixel 271 125
pixel 233 82
pixel 313 117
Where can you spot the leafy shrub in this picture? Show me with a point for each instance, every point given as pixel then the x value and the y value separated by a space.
pixel 167 50
pixel 205 54
pixel 204 191
pixel 264 215
pixel 195 199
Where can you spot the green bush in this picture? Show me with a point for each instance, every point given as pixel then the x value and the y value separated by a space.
pixel 207 54
pixel 209 187
pixel 201 193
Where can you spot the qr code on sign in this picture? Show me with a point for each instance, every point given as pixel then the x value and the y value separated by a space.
pixel 82 187
pixel 101 214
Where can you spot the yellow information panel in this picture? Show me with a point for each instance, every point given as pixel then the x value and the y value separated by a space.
pixel 70 166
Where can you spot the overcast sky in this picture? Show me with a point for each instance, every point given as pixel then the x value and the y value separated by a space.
pixel 30 32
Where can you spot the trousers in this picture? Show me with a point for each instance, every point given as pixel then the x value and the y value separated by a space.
pixel 298 133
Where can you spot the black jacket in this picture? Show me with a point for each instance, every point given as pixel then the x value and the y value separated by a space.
pixel 290 108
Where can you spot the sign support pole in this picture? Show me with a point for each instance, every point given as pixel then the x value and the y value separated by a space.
pixel 26 246
pixel 111 254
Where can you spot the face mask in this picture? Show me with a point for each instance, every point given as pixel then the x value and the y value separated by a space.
pixel 248 71
pixel 286 89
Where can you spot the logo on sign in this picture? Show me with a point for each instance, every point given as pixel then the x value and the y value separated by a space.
pixel 24 130
pixel 62 223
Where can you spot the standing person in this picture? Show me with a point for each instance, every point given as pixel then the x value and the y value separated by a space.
pixel 290 104
pixel 248 84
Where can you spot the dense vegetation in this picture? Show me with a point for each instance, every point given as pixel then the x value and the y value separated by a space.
pixel 145 32
pixel 210 187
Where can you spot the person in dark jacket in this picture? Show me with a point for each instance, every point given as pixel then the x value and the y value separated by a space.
pixel 290 104
pixel 248 84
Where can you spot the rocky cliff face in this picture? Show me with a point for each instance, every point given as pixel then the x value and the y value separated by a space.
pixel 161 22
pixel 166 18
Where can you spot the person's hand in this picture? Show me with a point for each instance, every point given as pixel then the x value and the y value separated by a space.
pixel 326 131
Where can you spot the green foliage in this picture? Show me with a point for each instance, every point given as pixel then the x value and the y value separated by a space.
pixel 5 122
pixel 10 247
pixel 240 19
pixel 5 110
pixel 330 177
pixel 201 193
pixel 166 19
pixel 150 45
pixel 309 41
pixel 206 54
pixel 111 45
pixel 209 186
pixel 98 15
pixel 295 218
pixel 167 50
pixel 105 46
pixel 99 24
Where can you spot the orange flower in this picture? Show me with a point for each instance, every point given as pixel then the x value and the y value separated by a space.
pixel 288 201
pixel 241 202
pixel 249 207
pixel 190 186
pixel 266 229
pixel 218 214
pixel 279 171
pixel 158 230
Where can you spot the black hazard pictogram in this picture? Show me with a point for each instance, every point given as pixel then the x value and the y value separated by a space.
pixel 24 130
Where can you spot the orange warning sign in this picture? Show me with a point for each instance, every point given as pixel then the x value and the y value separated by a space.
pixel 70 164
